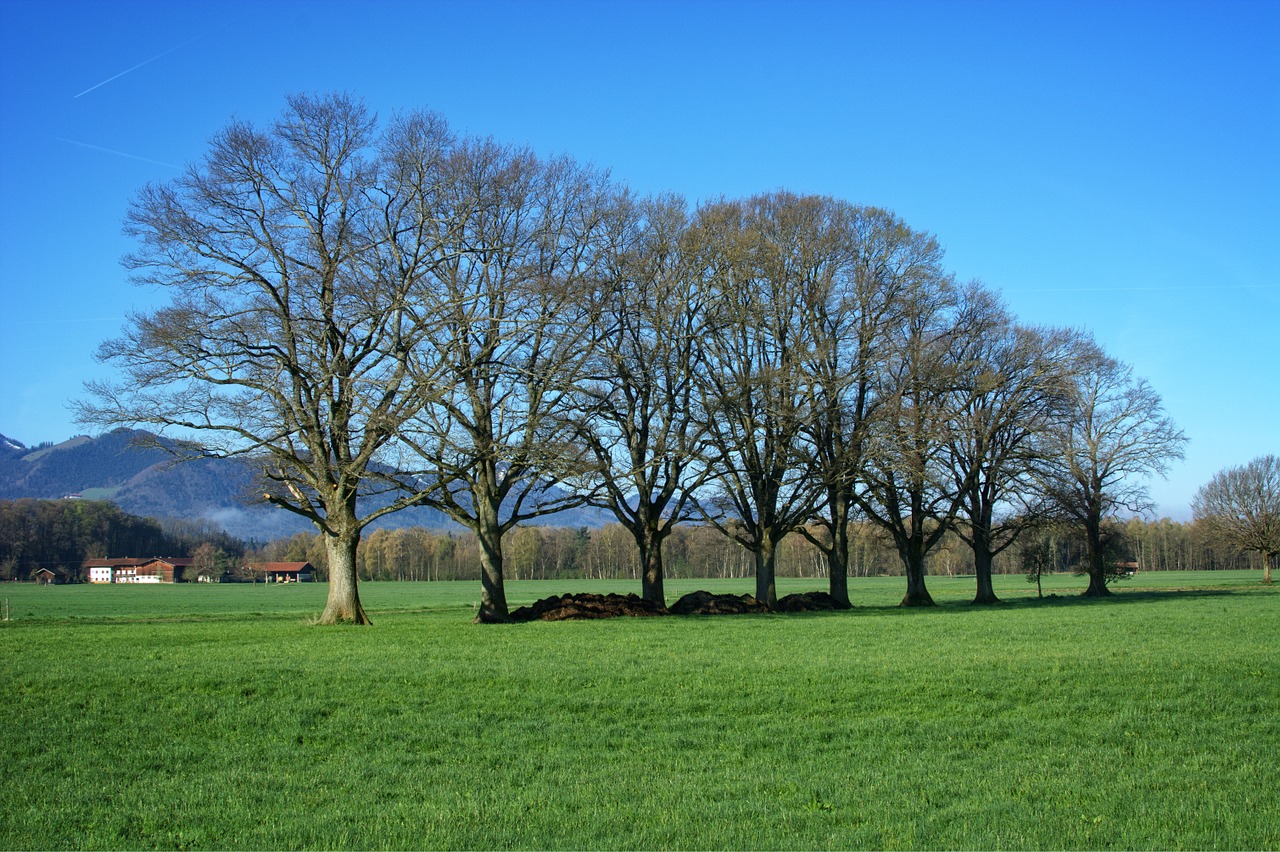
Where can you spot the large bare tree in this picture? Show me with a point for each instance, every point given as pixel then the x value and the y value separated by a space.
pixel 290 320
pixel 515 300
pixel 907 489
pixel 757 257
pixel 876 259
pixel 1114 437
pixel 1240 507
pixel 641 415
pixel 1010 400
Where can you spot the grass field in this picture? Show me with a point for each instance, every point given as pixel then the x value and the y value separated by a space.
pixel 218 717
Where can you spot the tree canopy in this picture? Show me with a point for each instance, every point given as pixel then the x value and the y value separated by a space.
pixel 1240 507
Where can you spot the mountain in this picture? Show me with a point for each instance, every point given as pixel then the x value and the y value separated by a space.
pixel 75 466
pixel 147 481
pixel 8 445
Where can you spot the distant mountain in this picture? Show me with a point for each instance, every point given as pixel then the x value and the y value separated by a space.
pixel 74 466
pixel 8 446
pixel 147 481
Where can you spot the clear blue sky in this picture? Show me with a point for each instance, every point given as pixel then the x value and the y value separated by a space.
pixel 1113 166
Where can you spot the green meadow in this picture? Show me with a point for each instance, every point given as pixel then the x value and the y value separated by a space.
pixel 220 717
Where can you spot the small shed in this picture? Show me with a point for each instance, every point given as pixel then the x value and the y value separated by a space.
pixel 49 577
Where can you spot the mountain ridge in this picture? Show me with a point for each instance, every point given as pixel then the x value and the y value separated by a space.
pixel 149 481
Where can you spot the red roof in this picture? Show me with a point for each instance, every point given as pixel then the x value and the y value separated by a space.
pixel 281 566
pixel 134 562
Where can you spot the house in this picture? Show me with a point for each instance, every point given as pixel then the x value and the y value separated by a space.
pixel 49 576
pixel 282 572
pixel 151 569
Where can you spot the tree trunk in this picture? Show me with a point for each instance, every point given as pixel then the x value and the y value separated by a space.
pixel 838 575
pixel 649 544
pixel 343 604
pixel 982 560
pixel 1266 567
pixel 766 563
pixel 913 560
pixel 493 595
pixel 1093 552
pixel 838 556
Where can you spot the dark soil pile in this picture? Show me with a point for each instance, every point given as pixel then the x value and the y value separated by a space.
pixel 809 602
pixel 586 605
pixel 705 603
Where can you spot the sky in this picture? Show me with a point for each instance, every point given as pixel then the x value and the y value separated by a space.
pixel 1109 166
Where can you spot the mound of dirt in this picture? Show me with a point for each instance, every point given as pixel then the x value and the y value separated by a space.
pixel 706 603
pixel 586 605
pixel 809 602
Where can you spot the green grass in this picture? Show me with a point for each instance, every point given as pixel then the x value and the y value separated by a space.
pixel 216 717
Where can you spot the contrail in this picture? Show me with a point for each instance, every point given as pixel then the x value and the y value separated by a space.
pixel 69 320
pixel 1196 287
pixel 117 153
pixel 158 56
pixel 136 67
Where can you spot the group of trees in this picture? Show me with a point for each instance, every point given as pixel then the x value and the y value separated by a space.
pixel 448 321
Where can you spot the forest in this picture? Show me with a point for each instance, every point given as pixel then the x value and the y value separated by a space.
pixel 61 534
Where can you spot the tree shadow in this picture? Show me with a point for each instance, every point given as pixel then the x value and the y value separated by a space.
pixel 1022 603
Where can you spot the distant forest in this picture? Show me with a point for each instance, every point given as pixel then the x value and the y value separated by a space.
pixel 609 552
pixel 61 534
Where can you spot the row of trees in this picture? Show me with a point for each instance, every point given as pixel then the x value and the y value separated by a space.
pixel 445 320
pixel 699 550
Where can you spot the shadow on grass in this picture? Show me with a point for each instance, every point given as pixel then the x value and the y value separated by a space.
pixel 949 606
pixel 1056 601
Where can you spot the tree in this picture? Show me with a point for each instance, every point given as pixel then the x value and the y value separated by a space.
pixel 291 268
pixel 1006 405
pixel 907 488
pixel 757 257
pixel 1115 434
pixel 206 564
pixel 875 259
pixel 515 300
pixel 639 412
pixel 1240 507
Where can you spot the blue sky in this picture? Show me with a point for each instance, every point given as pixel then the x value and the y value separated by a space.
pixel 1112 166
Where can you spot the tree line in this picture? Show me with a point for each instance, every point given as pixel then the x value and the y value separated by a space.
pixel 61 534
pixel 701 551
pixel 404 312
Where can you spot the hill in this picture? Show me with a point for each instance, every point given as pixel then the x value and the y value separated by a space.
pixel 146 481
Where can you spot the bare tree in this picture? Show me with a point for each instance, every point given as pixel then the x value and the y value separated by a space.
pixel 1114 436
pixel 290 322
pixel 907 488
pixel 640 413
pixel 875 259
pixel 758 257
pixel 1007 404
pixel 1240 507
pixel 515 301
